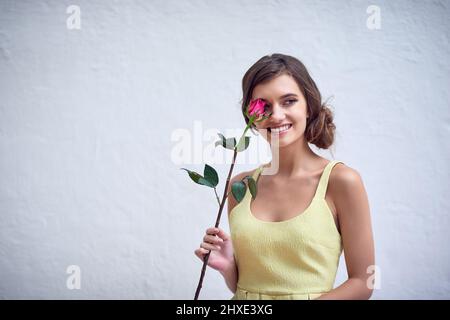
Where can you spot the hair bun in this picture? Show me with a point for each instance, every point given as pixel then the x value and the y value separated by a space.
pixel 326 114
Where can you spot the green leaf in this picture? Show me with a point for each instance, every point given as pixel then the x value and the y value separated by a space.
pixel 252 186
pixel 238 189
pixel 229 143
pixel 221 141
pixel 210 174
pixel 194 175
pixel 205 182
pixel 243 144
pixel 221 136
pixel 197 178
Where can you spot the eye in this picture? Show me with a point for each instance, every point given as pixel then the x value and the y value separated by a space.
pixel 291 101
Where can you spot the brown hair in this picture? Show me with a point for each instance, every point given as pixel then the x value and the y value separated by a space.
pixel 320 128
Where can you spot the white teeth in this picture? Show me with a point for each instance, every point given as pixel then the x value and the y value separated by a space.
pixel 280 129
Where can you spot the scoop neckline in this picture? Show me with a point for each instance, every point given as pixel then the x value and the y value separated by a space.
pixel 297 216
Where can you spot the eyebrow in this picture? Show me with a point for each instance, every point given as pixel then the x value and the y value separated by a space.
pixel 284 96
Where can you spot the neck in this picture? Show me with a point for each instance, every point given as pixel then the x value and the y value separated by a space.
pixel 294 158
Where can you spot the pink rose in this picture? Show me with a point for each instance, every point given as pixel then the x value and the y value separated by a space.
pixel 256 108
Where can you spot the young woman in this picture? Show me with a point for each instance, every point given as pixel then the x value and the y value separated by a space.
pixel 286 243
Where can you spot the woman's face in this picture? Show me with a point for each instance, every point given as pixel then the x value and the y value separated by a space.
pixel 288 106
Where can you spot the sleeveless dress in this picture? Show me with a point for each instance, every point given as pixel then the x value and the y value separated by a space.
pixel 294 259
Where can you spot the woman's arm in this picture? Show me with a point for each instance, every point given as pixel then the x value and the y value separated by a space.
pixel 352 206
pixel 231 277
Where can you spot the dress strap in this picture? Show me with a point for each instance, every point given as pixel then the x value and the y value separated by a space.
pixel 323 182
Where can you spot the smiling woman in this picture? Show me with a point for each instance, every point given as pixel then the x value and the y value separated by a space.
pixel 293 87
pixel 286 242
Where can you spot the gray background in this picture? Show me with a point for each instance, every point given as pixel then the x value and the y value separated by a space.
pixel 89 118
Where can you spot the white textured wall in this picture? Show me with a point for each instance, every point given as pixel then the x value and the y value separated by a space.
pixel 87 175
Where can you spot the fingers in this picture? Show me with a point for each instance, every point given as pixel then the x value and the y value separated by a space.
pixel 212 239
pixel 209 246
pixel 200 252
pixel 219 232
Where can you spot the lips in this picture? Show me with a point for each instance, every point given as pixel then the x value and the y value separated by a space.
pixel 280 129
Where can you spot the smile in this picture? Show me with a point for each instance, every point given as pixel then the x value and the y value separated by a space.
pixel 281 129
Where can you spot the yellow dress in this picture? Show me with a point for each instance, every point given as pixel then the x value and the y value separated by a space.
pixel 294 259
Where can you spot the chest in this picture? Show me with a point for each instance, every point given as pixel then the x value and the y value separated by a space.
pixel 280 200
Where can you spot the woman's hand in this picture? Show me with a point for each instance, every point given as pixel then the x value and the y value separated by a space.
pixel 220 245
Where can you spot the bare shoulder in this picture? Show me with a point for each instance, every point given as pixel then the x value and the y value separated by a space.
pixel 343 176
pixel 346 188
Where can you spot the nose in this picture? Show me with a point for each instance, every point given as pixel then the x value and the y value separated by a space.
pixel 277 113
